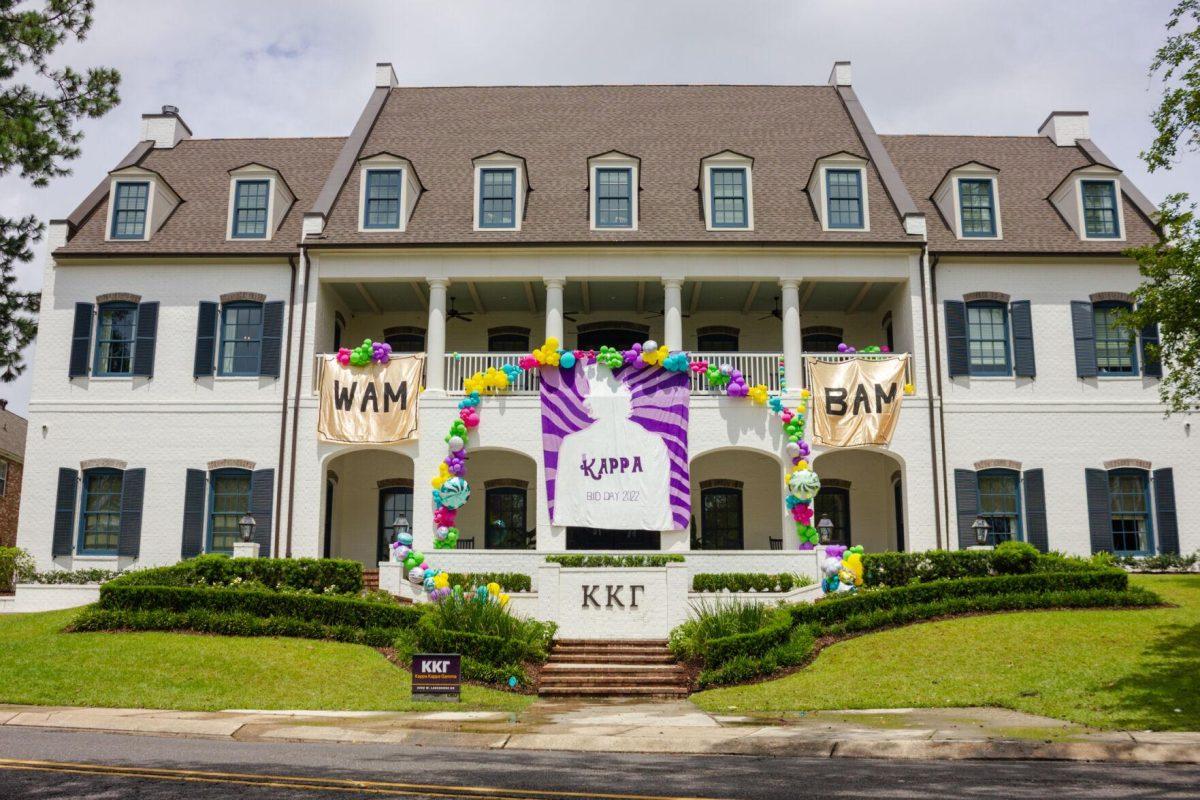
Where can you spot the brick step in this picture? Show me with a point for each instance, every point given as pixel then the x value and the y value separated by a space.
pixel 610 652
pixel 370 579
pixel 592 658
pixel 633 669
pixel 614 691
pixel 598 679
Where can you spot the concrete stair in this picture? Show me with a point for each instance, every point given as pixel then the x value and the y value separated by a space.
pixel 607 668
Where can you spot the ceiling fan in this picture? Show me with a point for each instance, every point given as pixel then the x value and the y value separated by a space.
pixel 776 312
pixel 569 316
pixel 662 312
pixel 454 313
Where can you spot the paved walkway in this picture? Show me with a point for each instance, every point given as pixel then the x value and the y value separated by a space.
pixel 662 727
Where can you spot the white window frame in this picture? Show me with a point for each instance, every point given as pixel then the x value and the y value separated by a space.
pixel 132 176
pixel 969 175
pixel 727 160
pixel 613 161
pixel 1118 201
pixel 500 161
pixel 844 164
pixel 387 162
pixel 252 173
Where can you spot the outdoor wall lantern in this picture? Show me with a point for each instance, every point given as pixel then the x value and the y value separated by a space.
pixel 247 525
pixel 825 528
pixel 399 526
pixel 981 528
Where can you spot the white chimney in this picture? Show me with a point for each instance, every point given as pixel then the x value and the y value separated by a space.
pixel 385 76
pixel 840 75
pixel 166 129
pixel 1066 127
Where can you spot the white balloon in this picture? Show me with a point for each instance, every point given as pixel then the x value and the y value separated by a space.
pixel 650 346
pixel 455 443
pixel 793 449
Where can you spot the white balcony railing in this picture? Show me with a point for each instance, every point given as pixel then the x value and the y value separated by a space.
pixel 755 367
pixel 463 365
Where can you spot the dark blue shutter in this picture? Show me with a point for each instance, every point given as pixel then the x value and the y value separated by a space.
pixel 81 341
pixel 206 339
pixel 1024 365
pixel 1099 512
pixel 147 332
pixel 194 497
pixel 957 357
pixel 1164 508
pixel 1151 364
pixel 64 513
pixel 1084 329
pixel 1036 532
pixel 966 498
pixel 272 338
pixel 133 487
pixel 262 488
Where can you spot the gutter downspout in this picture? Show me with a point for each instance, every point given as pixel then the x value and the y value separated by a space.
pixel 933 461
pixel 287 374
pixel 937 346
pixel 296 403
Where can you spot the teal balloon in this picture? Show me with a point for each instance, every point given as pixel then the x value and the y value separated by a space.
pixel 567 360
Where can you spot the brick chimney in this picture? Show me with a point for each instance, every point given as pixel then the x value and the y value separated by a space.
pixel 1066 127
pixel 166 129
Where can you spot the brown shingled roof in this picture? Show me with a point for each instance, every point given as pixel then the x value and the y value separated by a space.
pixel 556 128
pixel 1030 167
pixel 198 170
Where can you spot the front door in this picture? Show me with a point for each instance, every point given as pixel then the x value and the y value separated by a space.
pixel 394 501
pixel 898 498
pixel 597 539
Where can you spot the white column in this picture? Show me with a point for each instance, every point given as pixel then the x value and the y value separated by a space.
pixel 793 369
pixel 435 337
pixel 673 313
pixel 554 309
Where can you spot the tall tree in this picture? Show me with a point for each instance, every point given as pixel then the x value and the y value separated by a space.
pixel 40 108
pixel 1169 295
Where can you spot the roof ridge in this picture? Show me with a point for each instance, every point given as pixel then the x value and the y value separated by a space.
pixel 255 139
pixel 619 86
pixel 962 136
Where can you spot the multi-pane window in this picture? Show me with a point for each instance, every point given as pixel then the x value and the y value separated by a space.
pixel 987 338
pixel 406 341
pixel 721 519
pixel 505 509
pixel 729 197
pixel 1115 353
pixel 844 190
pixel 834 502
pixel 1100 210
pixel 508 342
pixel 394 501
pixel 1000 504
pixel 820 342
pixel 100 511
pixel 116 333
pixel 3 477
pixel 129 210
pixel 977 207
pixel 498 198
pixel 1129 509
pixel 381 207
pixel 241 338
pixel 228 502
pixel 250 201
pixel 614 197
pixel 717 342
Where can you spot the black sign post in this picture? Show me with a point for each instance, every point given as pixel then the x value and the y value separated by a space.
pixel 437 676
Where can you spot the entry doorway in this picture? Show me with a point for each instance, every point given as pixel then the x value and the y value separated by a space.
pixel 898 506
pixel 598 539
pixel 394 501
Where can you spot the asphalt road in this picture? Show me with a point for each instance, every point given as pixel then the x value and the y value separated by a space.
pixel 43 764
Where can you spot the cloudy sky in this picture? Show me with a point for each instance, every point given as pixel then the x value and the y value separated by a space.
pixel 305 68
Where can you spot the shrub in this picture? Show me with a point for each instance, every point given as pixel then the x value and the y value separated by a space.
pixel 15 565
pixel 747 581
pixel 510 582
pixel 1014 558
pixel 1164 562
pixel 737 670
pixel 76 576
pixel 325 610
pixel 615 561
pixel 718 620
pixel 751 643
pixel 316 575
pixel 487 632
pixel 1009 558
pixel 473 670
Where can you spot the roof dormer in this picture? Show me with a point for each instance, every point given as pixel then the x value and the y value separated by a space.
pixel 259 199
pixel 501 189
pixel 388 190
pixel 727 191
pixel 613 185
pixel 139 202
pixel 969 199
pixel 1089 199
pixel 837 186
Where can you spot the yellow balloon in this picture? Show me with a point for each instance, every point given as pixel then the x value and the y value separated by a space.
pixel 503 599
pixel 493 588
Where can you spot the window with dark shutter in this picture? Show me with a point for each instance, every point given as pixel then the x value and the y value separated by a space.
pixel 133 488
pixel 64 513
pixel 206 338
pixel 1151 357
pixel 147 332
pixel 272 339
pixel 1164 507
pixel 966 496
pixel 1084 331
pixel 1024 364
pixel 262 487
pixel 194 496
pixel 81 341
pixel 1036 530
pixel 1099 519
pixel 957 356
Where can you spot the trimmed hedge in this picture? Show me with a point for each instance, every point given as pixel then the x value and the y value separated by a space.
pixel 200 620
pixel 614 561
pixel 318 575
pixel 480 672
pixel 483 647
pixel 1009 558
pixel 796 648
pixel 321 609
pixel 752 643
pixel 509 581
pixel 747 581
pixel 840 607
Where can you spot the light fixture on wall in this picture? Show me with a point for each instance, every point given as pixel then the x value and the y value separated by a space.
pixel 825 528
pixel 982 529
pixel 399 526
pixel 247 525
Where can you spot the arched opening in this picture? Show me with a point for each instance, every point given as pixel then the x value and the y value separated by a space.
pixel 365 491
pixel 862 494
pixel 737 500
pixel 502 511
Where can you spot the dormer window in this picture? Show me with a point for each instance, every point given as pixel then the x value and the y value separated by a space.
pixel 838 188
pixel 498 198
pixel 843 188
pixel 1100 209
pixel 613 187
pixel 388 193
pixel 727 187
pixel 250 206
pixel 977 207
pixel 131 200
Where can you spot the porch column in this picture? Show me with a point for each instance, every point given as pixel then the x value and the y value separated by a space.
pixel 435 337
pixel 793 369
pixel 673 313
pixel 554 309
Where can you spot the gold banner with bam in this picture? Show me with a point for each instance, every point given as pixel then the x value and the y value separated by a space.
pixel 375 404
pixel 856 402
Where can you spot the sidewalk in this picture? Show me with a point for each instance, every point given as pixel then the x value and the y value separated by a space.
pixel 665 727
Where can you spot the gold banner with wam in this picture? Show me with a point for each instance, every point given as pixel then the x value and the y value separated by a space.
pixel 375 404
pixel 856 402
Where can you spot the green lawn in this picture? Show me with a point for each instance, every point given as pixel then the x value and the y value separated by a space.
pixel 1121 669
pixel 40 665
